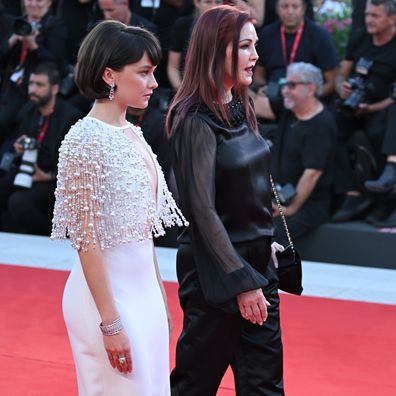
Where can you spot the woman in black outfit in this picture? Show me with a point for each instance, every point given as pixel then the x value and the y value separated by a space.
pixel 228 283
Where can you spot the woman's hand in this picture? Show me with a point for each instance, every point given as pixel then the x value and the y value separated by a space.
pixel 253 306
pixel 276 247
pixel 119 352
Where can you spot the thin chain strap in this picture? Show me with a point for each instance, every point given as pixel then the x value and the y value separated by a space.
pixel 281 213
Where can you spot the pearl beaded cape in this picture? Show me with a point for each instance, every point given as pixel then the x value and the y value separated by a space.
pixel 103 194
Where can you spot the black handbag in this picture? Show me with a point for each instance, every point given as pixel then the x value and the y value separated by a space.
pixel 289 262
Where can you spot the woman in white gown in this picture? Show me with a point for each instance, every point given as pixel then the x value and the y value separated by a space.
pixel 111 198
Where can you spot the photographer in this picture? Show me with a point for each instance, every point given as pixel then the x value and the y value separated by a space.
pixel 303 148
pixel 27 186
pixel 294 38
pixel 363 84
pixel 37 37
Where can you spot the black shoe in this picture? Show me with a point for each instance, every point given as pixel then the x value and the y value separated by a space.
pixel 352 207
pixel 379 213
pixel 386 182
pixel 390 221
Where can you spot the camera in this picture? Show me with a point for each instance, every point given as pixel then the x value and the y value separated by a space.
pixel 24 177
pixel 7 161
pixel 361 89
pixel 285 193
pixel 23 27
pixel 28 143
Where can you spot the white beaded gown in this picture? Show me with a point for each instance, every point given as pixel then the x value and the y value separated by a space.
pixel 104 198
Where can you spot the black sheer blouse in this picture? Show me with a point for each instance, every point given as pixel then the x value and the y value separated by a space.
pixel 222 174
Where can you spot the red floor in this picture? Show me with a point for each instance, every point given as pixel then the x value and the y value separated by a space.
pixel 332 347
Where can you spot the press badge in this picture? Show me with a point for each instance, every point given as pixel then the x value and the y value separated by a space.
pixel 150 3
pixel 17 75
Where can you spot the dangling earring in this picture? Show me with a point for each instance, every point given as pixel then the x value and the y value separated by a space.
pixel 111 93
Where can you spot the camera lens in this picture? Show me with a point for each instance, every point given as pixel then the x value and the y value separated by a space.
pixel 22 27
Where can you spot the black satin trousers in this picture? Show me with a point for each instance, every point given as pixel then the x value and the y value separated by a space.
pixel 212 340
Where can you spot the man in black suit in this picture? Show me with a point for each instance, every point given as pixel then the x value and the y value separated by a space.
pixel 27 187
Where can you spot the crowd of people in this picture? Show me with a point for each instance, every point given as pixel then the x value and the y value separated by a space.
pixel 245 105
pixel 336 162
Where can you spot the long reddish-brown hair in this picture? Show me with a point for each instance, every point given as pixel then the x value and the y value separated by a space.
pixel 205 66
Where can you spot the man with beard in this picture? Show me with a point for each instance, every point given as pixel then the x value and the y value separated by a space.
pixel 27 187
pixel 302 151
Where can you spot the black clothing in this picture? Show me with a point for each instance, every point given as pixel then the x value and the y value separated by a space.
pixel 6 23
pixel 389 144
pixel 358 18
pixel 30 210
pixel 212 165
pixel 301 145
pixel 11 7
pixel 383 71
pixel 153 127
pixel 381 75
pixel 213 339
pixel 164 17
pixel 223 183
pixel 51 42
pixel 373 126
pixel 137 20
pixel 59 123
pixel 315 47
pixel 26 211
pixel 79 18
pixel 180 36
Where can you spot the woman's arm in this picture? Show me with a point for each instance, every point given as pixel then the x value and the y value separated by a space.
pixel 77 213
pixel 222 272
pixel 99 285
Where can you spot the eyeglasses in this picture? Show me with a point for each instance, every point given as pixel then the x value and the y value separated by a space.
pixel 293 84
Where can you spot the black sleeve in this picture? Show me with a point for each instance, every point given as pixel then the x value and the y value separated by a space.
pixel 52 44
pixel 326 57
pixel 276 103
pixel 177 34
pixel 262 47
pixel 352 44
pixel 223 273
pixel 318 144
pixel 5 34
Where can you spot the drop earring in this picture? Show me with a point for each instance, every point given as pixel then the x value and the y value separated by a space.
pixel 111 93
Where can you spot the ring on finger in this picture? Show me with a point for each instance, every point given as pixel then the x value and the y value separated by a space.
pixel 122 360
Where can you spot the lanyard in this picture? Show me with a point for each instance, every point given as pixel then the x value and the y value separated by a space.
pixel 23 56
pixel 43 131
pixel 296 43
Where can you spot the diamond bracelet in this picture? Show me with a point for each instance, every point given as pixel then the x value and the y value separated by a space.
pixel 113 328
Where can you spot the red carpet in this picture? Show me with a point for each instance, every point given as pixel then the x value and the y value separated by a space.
pixel 332 347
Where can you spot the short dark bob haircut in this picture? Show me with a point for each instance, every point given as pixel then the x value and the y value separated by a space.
pixel 115 45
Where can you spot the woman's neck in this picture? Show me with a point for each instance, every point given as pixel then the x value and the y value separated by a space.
pixel 108 112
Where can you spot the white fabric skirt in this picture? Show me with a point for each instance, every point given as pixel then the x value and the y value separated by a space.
pixel 141 307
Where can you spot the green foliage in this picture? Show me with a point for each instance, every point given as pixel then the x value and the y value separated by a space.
pixel 339 26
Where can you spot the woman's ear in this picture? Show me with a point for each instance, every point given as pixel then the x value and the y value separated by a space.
pixel 108 76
